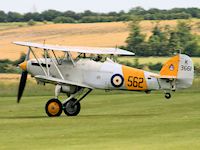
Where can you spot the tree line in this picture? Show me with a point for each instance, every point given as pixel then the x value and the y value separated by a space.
pixel 9 66
pixel 164 41
pixel 90 17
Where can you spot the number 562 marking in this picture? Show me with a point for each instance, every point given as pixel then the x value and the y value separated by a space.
pixel 135 82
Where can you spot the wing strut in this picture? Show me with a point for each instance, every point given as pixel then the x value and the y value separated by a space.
pixel 45 55
pixel 70 56
pixel 38 61
pixel 55 56
pixel 57 68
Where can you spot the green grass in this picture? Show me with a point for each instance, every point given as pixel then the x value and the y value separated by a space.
pixel 12 25
pixel 4 26
pixel 116 121
pixel 8 89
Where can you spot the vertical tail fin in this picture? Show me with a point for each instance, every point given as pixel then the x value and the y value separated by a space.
pixel 171 67
pixel 181 68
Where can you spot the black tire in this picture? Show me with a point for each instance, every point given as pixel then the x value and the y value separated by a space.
pixel 167 95
pixel 53 108
pixel 71 110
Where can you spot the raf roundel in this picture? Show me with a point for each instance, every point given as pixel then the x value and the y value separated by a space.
pixel 117 80
pixel 171 67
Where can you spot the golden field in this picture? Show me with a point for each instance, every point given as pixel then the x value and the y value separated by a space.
pixel 9 78
pixel 90 34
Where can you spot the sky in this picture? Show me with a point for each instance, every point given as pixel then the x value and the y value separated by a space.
pixel 23 6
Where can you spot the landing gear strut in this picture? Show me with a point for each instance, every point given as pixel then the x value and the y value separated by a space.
pixel 167 95
pixel 71 106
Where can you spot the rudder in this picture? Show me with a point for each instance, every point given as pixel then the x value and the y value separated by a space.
pixel 180 68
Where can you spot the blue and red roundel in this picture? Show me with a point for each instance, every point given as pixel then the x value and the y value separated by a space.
pixel 117 80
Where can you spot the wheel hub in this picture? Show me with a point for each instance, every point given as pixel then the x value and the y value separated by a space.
pixel 53 108
pixel 71 107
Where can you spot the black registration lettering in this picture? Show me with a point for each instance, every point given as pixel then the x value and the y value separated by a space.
pixel 135 82
pixel 186 68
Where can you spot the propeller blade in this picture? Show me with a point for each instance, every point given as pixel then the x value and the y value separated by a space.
pixel 22 85
pixel 23 78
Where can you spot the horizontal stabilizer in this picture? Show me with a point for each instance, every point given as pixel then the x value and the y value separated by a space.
pixel 164 77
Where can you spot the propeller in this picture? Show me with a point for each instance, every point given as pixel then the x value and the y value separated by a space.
pixel 23 78
pixel 22 85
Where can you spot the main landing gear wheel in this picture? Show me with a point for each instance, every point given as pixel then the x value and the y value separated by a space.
pixel 167 95
pixel 71 108
pixel 53 108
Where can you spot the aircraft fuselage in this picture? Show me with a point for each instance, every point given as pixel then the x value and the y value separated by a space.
pixel 99 75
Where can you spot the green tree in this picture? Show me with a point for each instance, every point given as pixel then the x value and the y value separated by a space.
pixel 182 39
pixel 192 48
pixel 14 17
pixel 72 14
pixel 89 19
pixel 137 11
pixel 89 13
pixel 158 42
pixel 174 43
pixel 184 32
pixel 136 40
pixel 31 22
pixel 3 16
pixel 181 15
pixel 186 38
pixel 194 12
pixel 35 16
pixel 63 20
pixel 49 15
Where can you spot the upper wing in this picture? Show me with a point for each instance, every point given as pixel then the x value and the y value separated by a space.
pixel 90 50
pixel 59 81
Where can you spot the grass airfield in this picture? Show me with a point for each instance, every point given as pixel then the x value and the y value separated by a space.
pixel 127 120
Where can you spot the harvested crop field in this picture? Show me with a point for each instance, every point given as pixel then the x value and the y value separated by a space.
pixel 90 34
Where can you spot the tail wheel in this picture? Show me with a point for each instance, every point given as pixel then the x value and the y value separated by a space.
pixel 167 95
pixel 53 108
pixel 70 108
